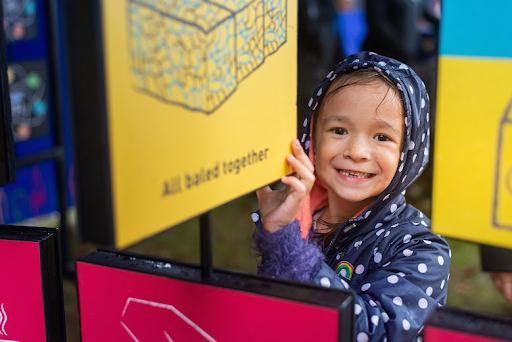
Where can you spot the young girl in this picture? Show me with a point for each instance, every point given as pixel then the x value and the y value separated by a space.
pixel 342 220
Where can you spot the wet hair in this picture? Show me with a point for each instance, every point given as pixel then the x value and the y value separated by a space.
pixel 368 76
pixel 326 231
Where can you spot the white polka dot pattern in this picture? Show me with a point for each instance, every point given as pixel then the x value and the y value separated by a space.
pixel 377 258
pixel 357 309
pixel 423 303
pixel 255 217
pixel 440 260
pixel 407 252
pixel 362 337
pixel 325 282
pixel 393 279
pixel 385 317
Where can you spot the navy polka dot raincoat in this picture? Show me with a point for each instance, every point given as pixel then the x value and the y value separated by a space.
pixel 387 254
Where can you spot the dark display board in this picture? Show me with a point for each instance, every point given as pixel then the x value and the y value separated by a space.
pixel 457 325
pixel 126 297
pixel 37 81
pixel 7 169
pixel 30 74
pixel 31 303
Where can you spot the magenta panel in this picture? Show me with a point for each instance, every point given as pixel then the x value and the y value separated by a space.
pixel 125 306
pixel 22 316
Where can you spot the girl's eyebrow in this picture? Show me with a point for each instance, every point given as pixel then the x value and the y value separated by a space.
pixel 338 118
pixel 384 124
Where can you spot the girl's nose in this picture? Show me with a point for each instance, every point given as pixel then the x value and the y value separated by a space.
pixel 357 149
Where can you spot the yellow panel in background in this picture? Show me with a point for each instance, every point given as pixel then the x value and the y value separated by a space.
pixel 472 195
pixel 201 101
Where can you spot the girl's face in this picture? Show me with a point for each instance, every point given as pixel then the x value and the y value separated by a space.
pixel 358 141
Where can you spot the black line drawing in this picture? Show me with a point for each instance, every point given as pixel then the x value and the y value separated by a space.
pixel 195 53
pixel 502 206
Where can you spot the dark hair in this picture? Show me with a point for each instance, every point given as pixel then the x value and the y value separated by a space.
pixel 367 76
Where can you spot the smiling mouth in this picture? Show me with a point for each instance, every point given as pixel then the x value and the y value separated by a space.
pixel 355 174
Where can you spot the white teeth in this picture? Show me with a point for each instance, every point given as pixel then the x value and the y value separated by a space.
pixel 355 174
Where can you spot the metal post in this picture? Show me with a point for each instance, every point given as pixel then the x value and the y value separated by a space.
pixel 68 266
pixel 205 226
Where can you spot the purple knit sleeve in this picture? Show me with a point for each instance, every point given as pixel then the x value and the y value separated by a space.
pixel 285 254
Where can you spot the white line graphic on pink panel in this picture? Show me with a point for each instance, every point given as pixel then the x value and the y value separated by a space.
pixel 3 320
pixel 175 320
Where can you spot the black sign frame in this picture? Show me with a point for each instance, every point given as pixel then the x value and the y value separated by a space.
pixel 472 323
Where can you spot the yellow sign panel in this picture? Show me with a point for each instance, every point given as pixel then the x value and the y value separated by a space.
pixel 201 103
pixel 472 197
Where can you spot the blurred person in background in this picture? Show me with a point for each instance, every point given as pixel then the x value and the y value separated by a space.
pixel 351 23
pixel 396 27
pixel 318 47
pixel 317 34
pixel 406 30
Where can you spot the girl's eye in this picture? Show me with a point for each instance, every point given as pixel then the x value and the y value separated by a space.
pixel 340 131
pixel 382 137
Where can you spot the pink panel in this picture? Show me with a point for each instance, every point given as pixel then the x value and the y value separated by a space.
pixel 434 334
pixel 21 292
pixel 123 306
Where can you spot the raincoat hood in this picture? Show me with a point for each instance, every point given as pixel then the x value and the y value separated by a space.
pixel 415 152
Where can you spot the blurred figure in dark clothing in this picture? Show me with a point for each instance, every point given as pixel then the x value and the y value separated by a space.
pixel 393 27
pixel 316 31
pixel 319 47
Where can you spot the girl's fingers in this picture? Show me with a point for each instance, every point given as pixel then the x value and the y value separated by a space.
pixel 299 153
pixel 296 184
pixel 302 171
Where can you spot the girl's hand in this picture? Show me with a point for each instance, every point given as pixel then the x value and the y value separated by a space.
pixel 279 208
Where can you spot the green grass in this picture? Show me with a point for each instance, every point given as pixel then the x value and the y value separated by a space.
pixel 468 288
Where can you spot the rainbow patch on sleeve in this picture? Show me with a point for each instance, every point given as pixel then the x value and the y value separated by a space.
pixel 345 269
